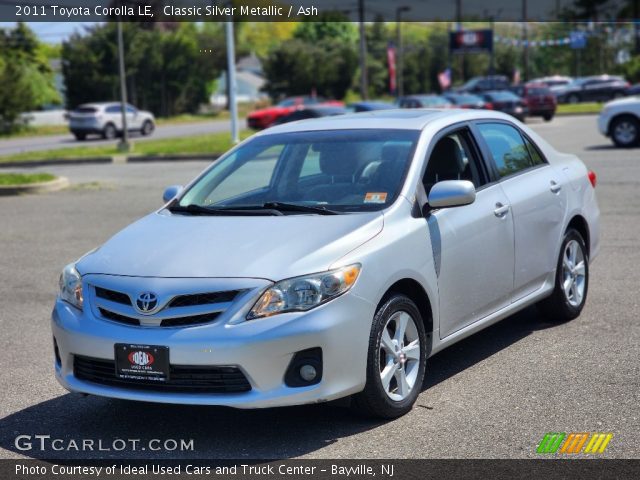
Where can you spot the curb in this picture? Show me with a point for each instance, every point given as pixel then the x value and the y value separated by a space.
pixel 56 161
pixel 42 187
pixel 173 158
pixel 115 159
pixel 576 114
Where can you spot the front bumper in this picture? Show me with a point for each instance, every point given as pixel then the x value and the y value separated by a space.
pixel 603 124
pixel 262 349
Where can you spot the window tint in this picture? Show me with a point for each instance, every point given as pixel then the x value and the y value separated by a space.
pixel 507 147
pixel 536 156
pixel 453 158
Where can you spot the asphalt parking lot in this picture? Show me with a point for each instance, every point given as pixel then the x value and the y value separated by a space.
pixel 494 395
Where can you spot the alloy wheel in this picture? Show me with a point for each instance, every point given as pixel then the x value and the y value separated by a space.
pixel 573 273
pixel 399 356
pixel 625 132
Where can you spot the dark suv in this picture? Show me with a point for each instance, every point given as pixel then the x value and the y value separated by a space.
pixel 540 100
pixel 598 88
pixel 484 84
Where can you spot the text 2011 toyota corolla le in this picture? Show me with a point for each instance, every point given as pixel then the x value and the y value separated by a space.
pixel 330 258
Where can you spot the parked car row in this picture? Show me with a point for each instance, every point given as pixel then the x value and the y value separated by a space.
pixel 528 101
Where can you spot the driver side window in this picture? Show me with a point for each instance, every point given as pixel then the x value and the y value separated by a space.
pixel 453 158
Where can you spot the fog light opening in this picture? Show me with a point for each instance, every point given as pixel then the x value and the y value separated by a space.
pixel 308 373
pixel 56 352
pixel 305 368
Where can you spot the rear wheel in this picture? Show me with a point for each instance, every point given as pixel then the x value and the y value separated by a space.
pixel 109 132
pixel 573 98
pixel 80 136
pixel 572 280
pixel 547 117
pixel 396 360
pixel 625 131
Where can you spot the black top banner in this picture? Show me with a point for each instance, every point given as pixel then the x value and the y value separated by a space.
pixel 317 10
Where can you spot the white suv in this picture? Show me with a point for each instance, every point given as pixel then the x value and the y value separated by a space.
pixel 106 119
pixel 620 120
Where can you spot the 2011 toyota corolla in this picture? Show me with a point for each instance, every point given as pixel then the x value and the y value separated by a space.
pixel 330 258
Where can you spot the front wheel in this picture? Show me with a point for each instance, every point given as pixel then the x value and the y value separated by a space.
pixel 625 131
pixel 396 360
pixel 147 128
pixel 547 117
pixel 572 280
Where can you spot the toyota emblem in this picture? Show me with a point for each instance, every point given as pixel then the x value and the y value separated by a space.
pixel 146 302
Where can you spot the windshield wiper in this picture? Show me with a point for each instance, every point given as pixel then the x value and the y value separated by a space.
pixel 194 209
pixel 295 207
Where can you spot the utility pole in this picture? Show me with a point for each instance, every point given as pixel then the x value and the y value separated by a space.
pixel 124 145
pixel 400 52
pixel 525 43
pixel 232 87
pixel 364 83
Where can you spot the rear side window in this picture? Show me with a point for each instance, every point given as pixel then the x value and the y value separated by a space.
pixel 86 110
pixel 511 152
pixel 113 109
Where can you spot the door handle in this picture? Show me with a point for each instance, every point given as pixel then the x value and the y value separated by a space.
pixel 555 187
pixel 501 210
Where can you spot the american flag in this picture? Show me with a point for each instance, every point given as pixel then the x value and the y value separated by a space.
pixel 444 78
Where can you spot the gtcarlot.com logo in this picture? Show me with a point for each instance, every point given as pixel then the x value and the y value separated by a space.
pixel 47 443
pixel 584 442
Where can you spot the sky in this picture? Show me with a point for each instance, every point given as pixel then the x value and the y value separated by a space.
pixel 52 32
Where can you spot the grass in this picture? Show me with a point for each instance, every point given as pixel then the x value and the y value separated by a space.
pixel 24 178
pixel 571 108
pixel 198 144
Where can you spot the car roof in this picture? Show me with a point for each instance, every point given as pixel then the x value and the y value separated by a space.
pixel 400 119
pixel 99 104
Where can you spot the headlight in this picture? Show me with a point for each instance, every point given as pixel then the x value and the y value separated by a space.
pixel 304 293
pixel 71 286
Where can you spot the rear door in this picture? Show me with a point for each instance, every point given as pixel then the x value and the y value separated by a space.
pixel 537 199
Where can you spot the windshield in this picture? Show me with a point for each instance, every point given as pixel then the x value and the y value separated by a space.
pixel 340 170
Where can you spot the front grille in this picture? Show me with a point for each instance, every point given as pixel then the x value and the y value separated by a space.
pixel 167 322
pixel 178 311
pixel 113 296
pixel 203 298
pixel 182 378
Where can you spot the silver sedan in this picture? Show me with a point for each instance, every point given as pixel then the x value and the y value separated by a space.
pixel 330 258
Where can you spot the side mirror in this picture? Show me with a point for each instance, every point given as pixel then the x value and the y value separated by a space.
pixel 171 192
pixel 452 193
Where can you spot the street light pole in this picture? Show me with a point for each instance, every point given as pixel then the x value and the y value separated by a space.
pixel 124 145
pixel 400 52
pixel 231 69
pixel 364 83
pixel 525 51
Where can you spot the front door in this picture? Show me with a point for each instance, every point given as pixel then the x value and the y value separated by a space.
pixel 473 245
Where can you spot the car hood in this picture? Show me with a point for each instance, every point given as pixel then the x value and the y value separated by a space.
pixel 622 102
pixel 271 247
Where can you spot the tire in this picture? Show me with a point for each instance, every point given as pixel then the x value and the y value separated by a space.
pixel 625 131
pixel 109 132
pixel 388 402
pixel 617 95
pixel 147 128
pixel 547 117
pixel 80 136
pixel 573 98
pixel 565 304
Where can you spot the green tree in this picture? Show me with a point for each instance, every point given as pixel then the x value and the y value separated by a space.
pixel 25 75
pixel 169 70
pixel 296 67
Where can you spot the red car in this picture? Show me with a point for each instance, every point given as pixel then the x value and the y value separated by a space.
pixel 540 100
pixel 267 116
